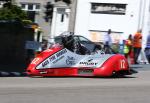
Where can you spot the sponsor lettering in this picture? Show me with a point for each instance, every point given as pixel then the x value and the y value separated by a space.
pixel 57 55
pixel 58 59
pixel 88 63
pixel 45 63
pixel 35 61
pixel 52 58
pixel 61 53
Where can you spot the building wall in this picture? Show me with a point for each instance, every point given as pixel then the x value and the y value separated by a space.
pixel 72 18
pixel 39 17
pixel 61 16
pixel 1 3
pixel 94 25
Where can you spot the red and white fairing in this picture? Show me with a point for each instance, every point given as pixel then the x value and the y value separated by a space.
pixel 58 61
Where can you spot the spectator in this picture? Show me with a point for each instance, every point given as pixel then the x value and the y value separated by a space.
pixel 147 52
pixel 107 41
pixel 147 48
pixel 128 47
pixel 137 45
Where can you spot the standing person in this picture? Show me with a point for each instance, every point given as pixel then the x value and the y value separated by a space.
pixel 147 48
pixel 128 47
pixel 137 45
pixel 107 41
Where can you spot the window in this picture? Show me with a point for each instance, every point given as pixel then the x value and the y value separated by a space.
pixel 108 8
pixel 61 10
pixel 83 39
pixel 23 6
pixel 37 6
pixel 30 6
pixel 62 17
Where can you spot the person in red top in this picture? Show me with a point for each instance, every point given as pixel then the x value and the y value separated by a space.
pixel 137 45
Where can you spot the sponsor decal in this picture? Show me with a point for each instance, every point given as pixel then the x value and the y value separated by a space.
pixel 35 61
pixel 58 54
pixel 45 63
pixel 54 58
pixel 70 60
pixel 90 60
pixel 57 59
pixel 88 63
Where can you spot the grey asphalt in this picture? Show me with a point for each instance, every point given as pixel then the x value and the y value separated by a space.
pixel 141 67
pixel 131 89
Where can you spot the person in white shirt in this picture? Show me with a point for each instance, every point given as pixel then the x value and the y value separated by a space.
pixel 107 41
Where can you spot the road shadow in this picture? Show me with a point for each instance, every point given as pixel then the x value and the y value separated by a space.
pixel 89 77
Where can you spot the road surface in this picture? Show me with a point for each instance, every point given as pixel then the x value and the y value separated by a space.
pixel 132 89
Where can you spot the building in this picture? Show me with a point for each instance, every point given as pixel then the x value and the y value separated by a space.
pixel 36 12
pixel 1 3
pixel 92 18
pixel 124 17
pixel 61 16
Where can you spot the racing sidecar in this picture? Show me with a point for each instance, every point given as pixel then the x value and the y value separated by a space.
pixel 72 58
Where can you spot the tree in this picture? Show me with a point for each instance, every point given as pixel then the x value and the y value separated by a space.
pixel 10 11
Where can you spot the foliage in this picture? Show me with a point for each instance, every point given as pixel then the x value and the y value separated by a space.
pixel 26 22
pixel 9 12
